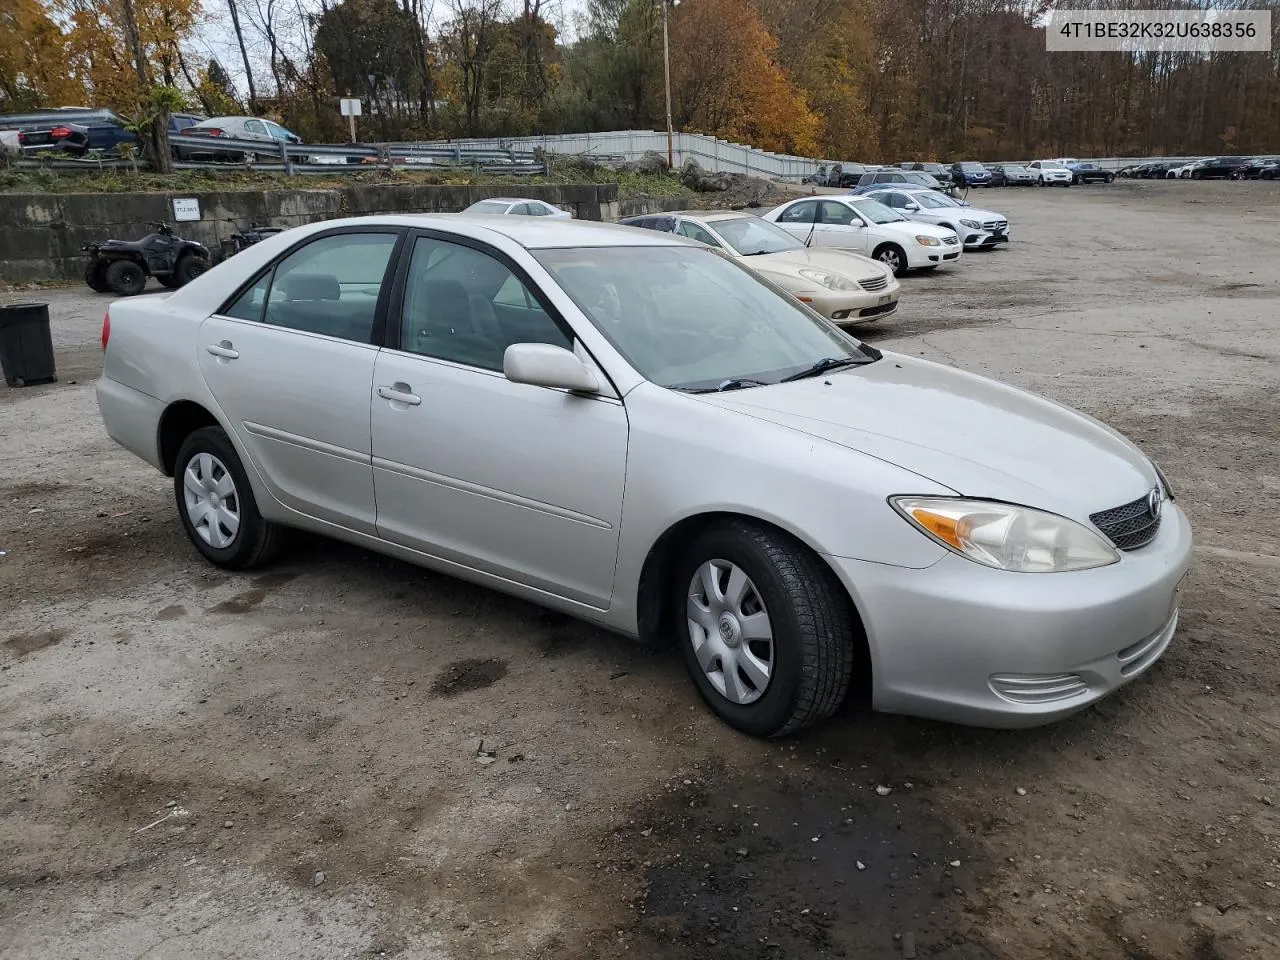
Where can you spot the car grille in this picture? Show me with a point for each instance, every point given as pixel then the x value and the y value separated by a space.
pixel 951 240
pixel 874 284
pixel 1131 525
pixel 878 309
pixel 995 226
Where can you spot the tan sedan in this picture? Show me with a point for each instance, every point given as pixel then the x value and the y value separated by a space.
pixel 844 287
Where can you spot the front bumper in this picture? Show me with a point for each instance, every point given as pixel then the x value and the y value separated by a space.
pixel 849 307
pixel 1051 177
pixel 978 239
pixel 919 256
pixel 964 643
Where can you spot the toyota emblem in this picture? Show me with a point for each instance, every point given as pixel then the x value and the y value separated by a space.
pixel 1155 500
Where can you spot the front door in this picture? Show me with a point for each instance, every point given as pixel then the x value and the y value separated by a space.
pixel 839 227
pixel 291 363
pixel 520 482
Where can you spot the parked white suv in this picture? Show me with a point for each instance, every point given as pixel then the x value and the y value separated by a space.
pixel 1051 172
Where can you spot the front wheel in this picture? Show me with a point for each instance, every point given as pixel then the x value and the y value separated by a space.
pixel 126 277
pixel 216 503
pixel 767 633
pixel 188 267
pixel 892 257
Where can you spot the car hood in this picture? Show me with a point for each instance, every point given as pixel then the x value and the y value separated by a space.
pixel 789 262
pixel 976 213
pixel 978 437
pixel 911 228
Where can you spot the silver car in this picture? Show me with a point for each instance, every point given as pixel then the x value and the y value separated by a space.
pixel 635 429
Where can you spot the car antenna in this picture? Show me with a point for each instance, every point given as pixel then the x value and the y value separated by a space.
pixel 812 226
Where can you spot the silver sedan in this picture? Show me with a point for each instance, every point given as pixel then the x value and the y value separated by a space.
pixel 634 429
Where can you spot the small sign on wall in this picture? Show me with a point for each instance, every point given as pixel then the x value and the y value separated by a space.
pixel 184 210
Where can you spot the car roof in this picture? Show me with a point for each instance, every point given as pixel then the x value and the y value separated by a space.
pixel 711 215
pixel 509 200
pixel 532 233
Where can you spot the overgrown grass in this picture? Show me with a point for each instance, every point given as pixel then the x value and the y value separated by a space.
pixel 13 180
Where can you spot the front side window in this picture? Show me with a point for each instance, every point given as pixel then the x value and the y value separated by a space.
pixel 934 202
pixel 836 214
pixel 466 306
pixel 695 232
pixel 330 286
pixel 802 212
pixel 691 319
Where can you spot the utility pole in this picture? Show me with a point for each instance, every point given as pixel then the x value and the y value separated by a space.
pixel 666 68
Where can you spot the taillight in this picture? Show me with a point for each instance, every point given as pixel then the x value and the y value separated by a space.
pixel 106 330
pixel 60 133
pixel 217 132
pixel 22 137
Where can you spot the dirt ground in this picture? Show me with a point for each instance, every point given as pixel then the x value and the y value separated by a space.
pixel 285 764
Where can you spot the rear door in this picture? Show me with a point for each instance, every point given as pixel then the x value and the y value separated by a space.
pixel 290 361
pixel 519 482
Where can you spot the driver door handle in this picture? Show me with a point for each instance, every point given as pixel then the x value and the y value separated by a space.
pixel 400 393
pixel 223 350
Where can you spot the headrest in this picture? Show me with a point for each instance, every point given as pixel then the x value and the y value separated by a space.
pixel 312 286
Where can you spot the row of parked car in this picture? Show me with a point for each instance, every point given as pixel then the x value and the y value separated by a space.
pixel 77 131
pixel 965 173
pixel 1206 168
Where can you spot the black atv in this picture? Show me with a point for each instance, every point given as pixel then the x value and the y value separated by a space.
pixel 242 239
pixel 122 266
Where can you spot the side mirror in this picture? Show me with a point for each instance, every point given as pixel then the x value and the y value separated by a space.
pixel 912 206
pixel 545 365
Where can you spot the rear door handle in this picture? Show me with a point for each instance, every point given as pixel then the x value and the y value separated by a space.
pixel 400 393
pixel 223 350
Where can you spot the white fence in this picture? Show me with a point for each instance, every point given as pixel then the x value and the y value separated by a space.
pixel 716 155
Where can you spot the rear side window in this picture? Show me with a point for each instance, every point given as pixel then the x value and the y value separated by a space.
pixel 695 232
pixel 802 212
pixel 330 286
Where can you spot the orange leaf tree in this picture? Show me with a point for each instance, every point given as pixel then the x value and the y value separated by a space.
pixel 725 80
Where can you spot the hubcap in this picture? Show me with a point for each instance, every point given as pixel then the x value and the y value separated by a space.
pixel 890 258
pixel 730 631
pixel 213 505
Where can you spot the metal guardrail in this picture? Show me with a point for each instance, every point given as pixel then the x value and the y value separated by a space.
pixel 218 153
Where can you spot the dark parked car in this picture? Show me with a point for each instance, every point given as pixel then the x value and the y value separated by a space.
pixel 1218 168
pixel 1089 173
pixel 1011 175
pixel 1149 171
pixel 878 178
pixel 1259 168
pixel 968 173
pixel 939 171
pixel 104 130
pixel 59 136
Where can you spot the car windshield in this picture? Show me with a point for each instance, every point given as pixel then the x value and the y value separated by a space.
pixel 692 319
pixel 875 211
pixel 1051 165
pixel 751 236
pixel 488 206
pixel 972 167
pixel 1014 168
pixel 934 200
pixel 924 179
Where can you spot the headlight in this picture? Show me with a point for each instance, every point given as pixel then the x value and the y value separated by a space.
pixel 832 281
pixel 928 241
pixel 972 224
pixel 1007 537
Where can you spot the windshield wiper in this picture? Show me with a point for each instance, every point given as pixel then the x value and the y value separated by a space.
pixel 756 253
pixel 828 363
pixel 734 383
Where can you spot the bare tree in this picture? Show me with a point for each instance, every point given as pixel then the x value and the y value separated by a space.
pixel 244 52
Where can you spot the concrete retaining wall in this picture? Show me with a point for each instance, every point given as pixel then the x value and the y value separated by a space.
pixel 41 234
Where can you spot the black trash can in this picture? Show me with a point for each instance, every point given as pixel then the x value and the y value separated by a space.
pixel 26 346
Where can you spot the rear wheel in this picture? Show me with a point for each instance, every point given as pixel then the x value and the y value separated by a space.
pixel 892 256
pixel 766 630
pixel 126 277
pixel 216 503
pixel 95 275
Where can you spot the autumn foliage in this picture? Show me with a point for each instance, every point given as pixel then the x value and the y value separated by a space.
pixel 846 79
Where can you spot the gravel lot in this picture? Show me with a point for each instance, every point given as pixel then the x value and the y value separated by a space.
pixel 285 764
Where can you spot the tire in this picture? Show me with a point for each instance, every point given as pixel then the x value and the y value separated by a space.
pixel 188 267
pixel 808 660
pixel 218 481
pixel 96 277
pixel 169 281
pixel 892 256
pixel 126 277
